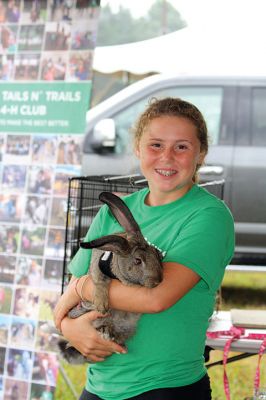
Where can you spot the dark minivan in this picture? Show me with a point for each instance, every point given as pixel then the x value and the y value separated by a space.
pixel 235 111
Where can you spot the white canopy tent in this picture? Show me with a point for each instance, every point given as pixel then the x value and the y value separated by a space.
pixel 210 50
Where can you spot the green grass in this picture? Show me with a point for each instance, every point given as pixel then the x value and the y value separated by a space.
pixel 239 290
pixel 77 375
pixel 240 375
pixel 244 290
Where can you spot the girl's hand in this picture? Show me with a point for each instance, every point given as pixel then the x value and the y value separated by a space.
pixel 68 300
pixel 84 337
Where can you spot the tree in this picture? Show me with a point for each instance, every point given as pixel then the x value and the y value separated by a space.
pixel 163 18
pixel 121 27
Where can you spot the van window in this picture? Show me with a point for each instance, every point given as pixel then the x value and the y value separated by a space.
pixel 258 117
pixel 207 99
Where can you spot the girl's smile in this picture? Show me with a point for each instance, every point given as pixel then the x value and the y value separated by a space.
pixel 169 153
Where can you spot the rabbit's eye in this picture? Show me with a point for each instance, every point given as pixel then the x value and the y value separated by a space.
pixel 137 261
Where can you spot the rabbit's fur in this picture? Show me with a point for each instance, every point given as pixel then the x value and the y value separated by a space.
pixel 134 261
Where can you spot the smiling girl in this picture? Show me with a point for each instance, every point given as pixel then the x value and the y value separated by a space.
pixel 195 232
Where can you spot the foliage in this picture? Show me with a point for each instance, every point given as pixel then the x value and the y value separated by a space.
pixel 121 27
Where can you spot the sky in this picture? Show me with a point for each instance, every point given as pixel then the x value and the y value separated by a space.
pixel 232 32
pixel 197 12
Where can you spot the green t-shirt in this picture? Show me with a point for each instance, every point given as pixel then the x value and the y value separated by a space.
pixel 167 349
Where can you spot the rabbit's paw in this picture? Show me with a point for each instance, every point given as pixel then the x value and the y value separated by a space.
pixel 70 354
pixel 104 332
pixel 101 305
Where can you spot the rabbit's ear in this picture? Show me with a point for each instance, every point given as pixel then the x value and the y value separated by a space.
pixel 112 243
pixel 121 212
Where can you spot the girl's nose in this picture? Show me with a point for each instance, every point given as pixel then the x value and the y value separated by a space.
pixel 167 154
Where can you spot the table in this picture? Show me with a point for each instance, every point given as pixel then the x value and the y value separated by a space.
pixel 221 321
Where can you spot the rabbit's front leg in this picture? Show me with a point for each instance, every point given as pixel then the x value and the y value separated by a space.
pixel 100 295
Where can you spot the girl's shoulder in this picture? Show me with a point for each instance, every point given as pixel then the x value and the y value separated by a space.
pixel 212 205
pixel 215 199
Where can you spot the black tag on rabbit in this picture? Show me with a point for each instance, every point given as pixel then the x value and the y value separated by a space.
pixel 105 264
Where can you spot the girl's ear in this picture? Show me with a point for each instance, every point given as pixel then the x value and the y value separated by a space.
pixel 136 150
pixel 202 157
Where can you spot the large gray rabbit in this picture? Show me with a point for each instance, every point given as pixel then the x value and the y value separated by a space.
pixel 126 257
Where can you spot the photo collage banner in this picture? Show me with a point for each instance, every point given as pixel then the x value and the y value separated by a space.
pixel 46 53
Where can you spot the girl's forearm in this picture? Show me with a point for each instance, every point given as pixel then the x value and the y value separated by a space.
pixel 132 298
pixel 177 281
pixel 121 297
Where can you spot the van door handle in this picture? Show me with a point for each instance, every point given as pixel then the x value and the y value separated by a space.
pixel 211 170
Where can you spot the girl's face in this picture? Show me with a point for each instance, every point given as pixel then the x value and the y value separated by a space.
pixel 169 152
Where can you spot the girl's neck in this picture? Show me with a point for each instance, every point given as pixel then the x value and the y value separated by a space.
pixel 159 199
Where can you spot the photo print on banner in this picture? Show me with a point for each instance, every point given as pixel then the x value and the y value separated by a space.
pixel 46 54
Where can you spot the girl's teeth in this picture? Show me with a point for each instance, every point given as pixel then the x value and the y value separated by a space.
pixel 166 173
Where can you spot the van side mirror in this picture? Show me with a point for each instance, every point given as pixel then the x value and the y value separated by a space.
pixel 103 135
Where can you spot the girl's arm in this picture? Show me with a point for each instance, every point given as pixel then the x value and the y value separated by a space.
pixel 177 281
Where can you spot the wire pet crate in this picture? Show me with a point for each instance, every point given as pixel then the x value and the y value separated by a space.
pixel 83 204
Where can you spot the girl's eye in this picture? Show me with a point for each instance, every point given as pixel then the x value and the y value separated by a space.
pixel 156 145
pixel 182 147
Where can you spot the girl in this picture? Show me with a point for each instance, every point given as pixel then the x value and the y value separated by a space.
pixel 195 232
